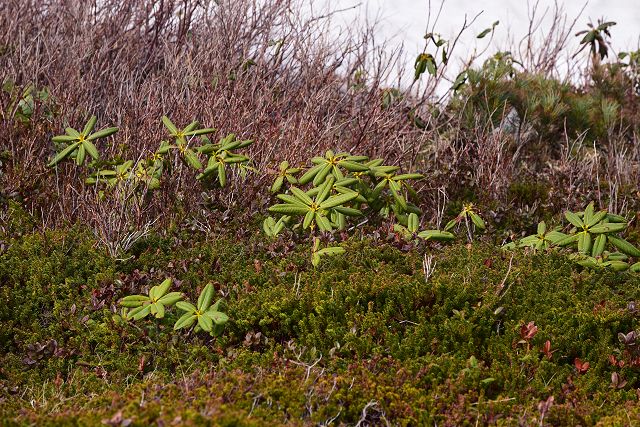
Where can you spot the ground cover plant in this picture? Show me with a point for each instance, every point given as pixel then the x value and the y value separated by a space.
pixel 488 337
pixel 217 216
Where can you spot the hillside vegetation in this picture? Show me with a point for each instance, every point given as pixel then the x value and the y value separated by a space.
pixel 221 213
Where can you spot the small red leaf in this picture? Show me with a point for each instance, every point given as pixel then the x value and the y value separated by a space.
pixel 528 331
pixel 546 349
pixel 581 366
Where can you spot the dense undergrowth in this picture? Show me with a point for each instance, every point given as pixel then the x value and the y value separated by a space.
pixel 516 134
pixel 363 338
pixel 350 305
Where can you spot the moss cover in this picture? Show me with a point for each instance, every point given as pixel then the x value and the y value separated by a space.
pixel 363 337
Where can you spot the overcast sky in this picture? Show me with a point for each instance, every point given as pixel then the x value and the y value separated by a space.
pixel 404 21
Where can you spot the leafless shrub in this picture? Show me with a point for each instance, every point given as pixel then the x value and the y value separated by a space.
pixel 265 72
pixel 119 218
pixel 254 68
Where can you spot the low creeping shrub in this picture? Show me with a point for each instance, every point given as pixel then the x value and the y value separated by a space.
pixel 205 316
pixel 591 233
pixel 343 185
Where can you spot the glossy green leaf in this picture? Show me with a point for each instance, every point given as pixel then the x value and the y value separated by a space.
pixel 217 317
pixel 406 176
pixel 542 228
pixel 568 240
pixel 63 154
pixel 589 262
pixel 334 250
pixel 617 256
pixel 301 195
pixel 624 246
pixel 617 265
pixel 205 323
pixel 581 237
pixel 615 218
pixel 208 171
pixel 143 312
pixel 222 175
pixel 185 321
pixel 353 166
pixel 608 228
pixel 292 200
pixel 190 127
pixel 596 218
pixel 337 200
pixel 325 189
pixel 598 245
pixel 588 213
pixel 163 287
pixel 89 126
pixel 80 155
pixel 192 159
pixel 479 222
pixel 268 225
pixel 134 300
pixel 315 259
pixel 90 149
pixel 397 196
pixel 198 132
pixel 574 219
pixel 289 209
pixel 186 306
pixel 322 175
pixel 555 236
pixel 529 241
pixel 450 225
pixel 587 243
pixel 308 219
pixel 277 184
pixel 158 309
pixel 310 174
pixel 436 235
pixel 347 211
pixel 64 138
pixel 72 132
pixel 205 298
pixel 412 222
pixel 323 223
pixel 102 133
pixel 169 124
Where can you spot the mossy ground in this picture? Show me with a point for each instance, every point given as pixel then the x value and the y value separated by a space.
pixel 363 337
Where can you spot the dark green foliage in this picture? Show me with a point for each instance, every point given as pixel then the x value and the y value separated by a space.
pixel 303 345
pixel 24 100
pixel 549 107
pixel 384 333
pixel 528 192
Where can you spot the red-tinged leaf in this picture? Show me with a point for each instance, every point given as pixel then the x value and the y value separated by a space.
pixel 546 349
pixel 528 331
pixel 581 366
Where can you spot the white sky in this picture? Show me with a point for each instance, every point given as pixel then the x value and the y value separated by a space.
pixel 405 21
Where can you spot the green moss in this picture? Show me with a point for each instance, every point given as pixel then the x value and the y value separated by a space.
pixel 305 345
